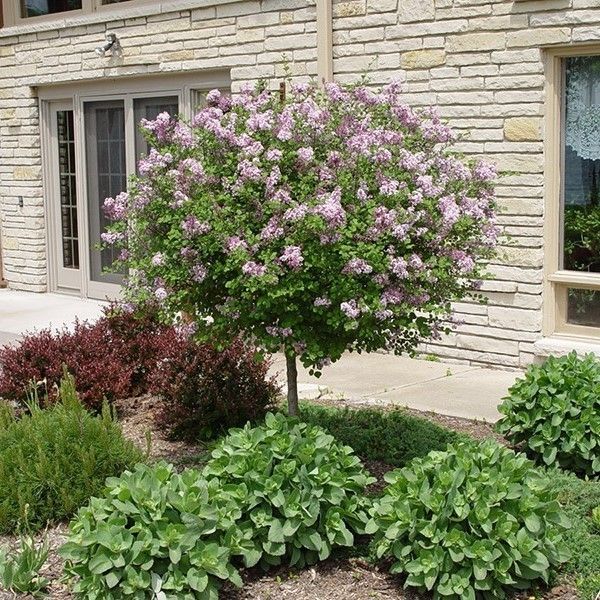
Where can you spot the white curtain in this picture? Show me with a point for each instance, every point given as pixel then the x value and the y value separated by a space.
pixel 583 108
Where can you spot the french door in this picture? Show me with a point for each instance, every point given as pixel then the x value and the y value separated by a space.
pixel 94 147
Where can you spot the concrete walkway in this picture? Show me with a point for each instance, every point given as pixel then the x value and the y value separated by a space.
pixel 21 312
pixel 380 379
pixel 450 389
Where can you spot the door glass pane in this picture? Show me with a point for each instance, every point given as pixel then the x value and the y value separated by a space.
pixel 106 177
pixel 150 108
pixel 36 8
pixel 583 307
pixel 67 188
pixel 582 165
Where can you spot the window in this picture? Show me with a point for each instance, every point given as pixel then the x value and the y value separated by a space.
pixel 36 8
pixel 573 271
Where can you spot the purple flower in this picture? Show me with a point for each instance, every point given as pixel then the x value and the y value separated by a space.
pixel 350 309
pixel 253 269
pixel 449 209
pixel 398 267
pixel 160 293
pixel 248 171
pixel 274 155
pixel 322 301
pixel 158 259
pixel 116 208
pixel 272 230
pixel 235 243
pixel 199 273
pixel 111 237
pixel 306 154
pixel 292 257
pixel 296 213
pixel 357 266
pixel 192 226
pixel 332 210
pixel 155 160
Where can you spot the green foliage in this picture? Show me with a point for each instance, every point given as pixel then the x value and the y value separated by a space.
pixel 393 437
pixel 582 237
pixel 20 569
pixel 304 490
pixel 475 519
pixel 53 460
pixel 580 500
pixel 155 533
pixel 554 413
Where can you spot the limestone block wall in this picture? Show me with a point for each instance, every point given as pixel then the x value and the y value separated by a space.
pixel 482 63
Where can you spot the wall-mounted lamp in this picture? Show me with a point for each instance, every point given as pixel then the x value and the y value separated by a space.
pixel 112 44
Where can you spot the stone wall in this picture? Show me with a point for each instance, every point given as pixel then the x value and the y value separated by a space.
pixel 480 61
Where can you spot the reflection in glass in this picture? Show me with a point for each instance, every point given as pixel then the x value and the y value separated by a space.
pixel 68 188
pixel 582 165
pixel 36 8
pixel 583 307
pixel 107 177
pixel 150 108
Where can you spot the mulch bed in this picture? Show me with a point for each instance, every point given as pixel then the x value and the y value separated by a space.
pixel 335 579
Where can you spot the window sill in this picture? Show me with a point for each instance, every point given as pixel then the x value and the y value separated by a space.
pixel 558 345
pixel 138 9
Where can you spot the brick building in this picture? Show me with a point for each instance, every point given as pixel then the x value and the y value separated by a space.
pixel 520 79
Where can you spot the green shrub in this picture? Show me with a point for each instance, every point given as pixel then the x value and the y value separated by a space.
pixel 304 490
pixel 393 437
pixel 554 413
pixel 155 534
pixel 20 570
pixel 53 460
pixel 579 499
pixel 473 519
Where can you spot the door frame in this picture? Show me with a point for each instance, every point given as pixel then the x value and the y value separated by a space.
pixel 183 86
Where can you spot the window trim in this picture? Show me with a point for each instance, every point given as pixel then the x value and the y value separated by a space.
pixel 557 281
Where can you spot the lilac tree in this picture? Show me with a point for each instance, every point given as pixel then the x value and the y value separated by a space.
pixel 334 220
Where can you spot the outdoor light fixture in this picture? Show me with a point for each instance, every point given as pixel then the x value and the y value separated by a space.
pixel 112 44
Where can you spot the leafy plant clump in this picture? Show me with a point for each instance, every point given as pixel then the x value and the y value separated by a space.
pixel 52 460
pixel 155 533
pixel 474 519
pixel 20 568
pixel 393 437
pixel 205 390
pixel 554 413
pixel 304 489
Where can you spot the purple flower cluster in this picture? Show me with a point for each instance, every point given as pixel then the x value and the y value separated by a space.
pixel 192 226
pixel 292 257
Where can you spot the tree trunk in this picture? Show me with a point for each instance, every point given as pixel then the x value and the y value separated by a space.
pixel 292 384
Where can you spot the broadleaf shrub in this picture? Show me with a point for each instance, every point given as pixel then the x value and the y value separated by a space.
pixel 206 390
pixel 392 436
pixel 155 534
pixel 304 489
pixel 52 460
pixel 474 519
pixel 554 413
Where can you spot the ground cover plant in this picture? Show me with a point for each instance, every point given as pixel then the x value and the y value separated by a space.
pixel 579 499
pixel 53 460
pixel 393 437
pixel 475 519
pixel 155 533
pixel 553 413
pixel 328 221
pixel 305 491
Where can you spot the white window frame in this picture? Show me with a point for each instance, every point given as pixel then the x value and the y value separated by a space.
pixel 186 87
pixel 557 281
